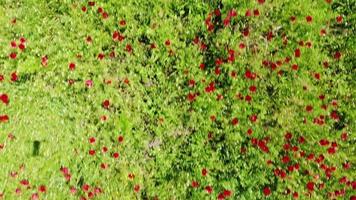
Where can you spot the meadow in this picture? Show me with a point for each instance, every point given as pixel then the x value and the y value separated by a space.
pixel 177 99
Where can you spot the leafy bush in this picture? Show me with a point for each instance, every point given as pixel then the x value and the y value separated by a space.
pixel 177 99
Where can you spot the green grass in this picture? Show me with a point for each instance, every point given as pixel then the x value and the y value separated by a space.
pixel 167 139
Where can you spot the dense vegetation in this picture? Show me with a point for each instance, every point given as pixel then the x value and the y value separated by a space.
pixel 177 99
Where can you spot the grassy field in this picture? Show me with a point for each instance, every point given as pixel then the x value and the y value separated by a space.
pixel 177 99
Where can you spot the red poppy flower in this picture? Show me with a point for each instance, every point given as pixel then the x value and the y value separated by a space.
pixel 285 159
pixel 266 191
pixel 337 55
pixel 44 60
pixel 137 188
pixel 226 21
pixel 85 187
pixel 310 186
pixel 204 171
pixel 191 96
pixel 196 40
pixel 195 184
pixel 91 152
pixel 210 27
pixel 120 138
pixel 22 40
pixel 309 18
pixel 104 149
pixel 286 146
pixel 4 118
pixel 253 118
pixel 210 87
pixel 250 75
pixel 256 12
pixel 35 196
pixel 213 118
pixel 92 140
pixel 331 150
pixel 295 67
pixel 234 121
pixel 232 13
pixel 249 131
pixel 309 44
pixel 301 139
pixel 64 170
pixel 101 56
pixel 309 108
pixel 248 98
pixel 346 165
pixel 4 98
pixel 13 55
pixel 269 38
pixel 128 48
pixel 297 53
pixel 252 88
pixel 334 115
pixel 106 104
pixel 322 32
pixel 42 189
pixel 67 177
pixel 22 46
pixel 248 13
pixel 24 182
pixel 283 174
pixel 317 76
pixel 295 195
pixel 89 83
pixel 115 155
pixel 324 142
pixel 209 189
pixel 339 19
pixel 242 45
pixel 227 193
pixel 18 191
pixel 217 70
pixel 218 62
pixel 122 22
pixel 105 15
pixel 14 77
pixel 13 44
pixel 262 145
pixel 71 66
pixel 246 32
pixel 131 176
pixel 344 136
pixel 288 136
pixel 191 83
pixel 217 12
pixel 104 165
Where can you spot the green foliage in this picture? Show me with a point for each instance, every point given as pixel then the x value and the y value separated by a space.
pixel 168 117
